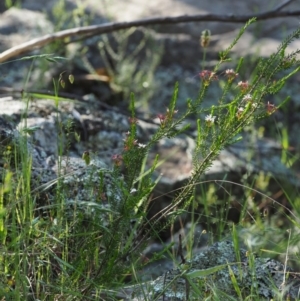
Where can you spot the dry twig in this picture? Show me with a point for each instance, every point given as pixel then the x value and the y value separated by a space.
pixel 93 30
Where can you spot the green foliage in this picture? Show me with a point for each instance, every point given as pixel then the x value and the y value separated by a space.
pixel 130 68
pixel 75 249
pixel 11 3
pixel 65 18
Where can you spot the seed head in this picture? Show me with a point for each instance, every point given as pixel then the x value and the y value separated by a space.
pixel 86 157
pixel 205 38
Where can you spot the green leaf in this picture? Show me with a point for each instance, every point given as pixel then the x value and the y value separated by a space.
pixel 234 282
pixel 174 99
pixel 206 272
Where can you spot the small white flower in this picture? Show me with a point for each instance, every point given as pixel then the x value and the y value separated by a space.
pixel 210 120
pixel 133 190
pixel 141 145
pixel 231 74
pixel 239 112
pixel 247 97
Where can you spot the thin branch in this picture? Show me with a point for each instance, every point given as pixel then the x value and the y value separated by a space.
pixel 88 31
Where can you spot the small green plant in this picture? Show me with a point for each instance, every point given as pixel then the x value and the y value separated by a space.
pixel 129 67
pixel 11 3
pixel 85 239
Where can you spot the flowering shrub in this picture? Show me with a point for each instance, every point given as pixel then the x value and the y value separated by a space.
pixel 242 103
pixel 81 256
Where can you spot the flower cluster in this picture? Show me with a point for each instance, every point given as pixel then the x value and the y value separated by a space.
pixel 165 118
pixel 248 98
pixel 239 112
pixel 231 74
pixel 210 120
pixel 205 38
pixel 208 75
pixel 162 119
pixel 130 142
pixel 244 86
pixel 133 120
pixel 117 159
pixel 270 108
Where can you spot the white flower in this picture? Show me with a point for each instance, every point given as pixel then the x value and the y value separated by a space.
pixel 141 145
pixel 133 190
pixel 239 112
pixel 247 97
pixel 229 71
pixel 210 120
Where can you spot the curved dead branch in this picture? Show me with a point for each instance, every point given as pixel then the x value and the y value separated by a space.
pixel 93 30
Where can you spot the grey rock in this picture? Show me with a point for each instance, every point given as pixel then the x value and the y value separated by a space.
pixel 261 277
pixel 17 146
pixel 18 26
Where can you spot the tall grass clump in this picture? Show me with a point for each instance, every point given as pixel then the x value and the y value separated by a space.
pixel 57 245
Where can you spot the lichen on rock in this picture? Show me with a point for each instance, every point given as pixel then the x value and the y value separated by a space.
pixel 263 277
